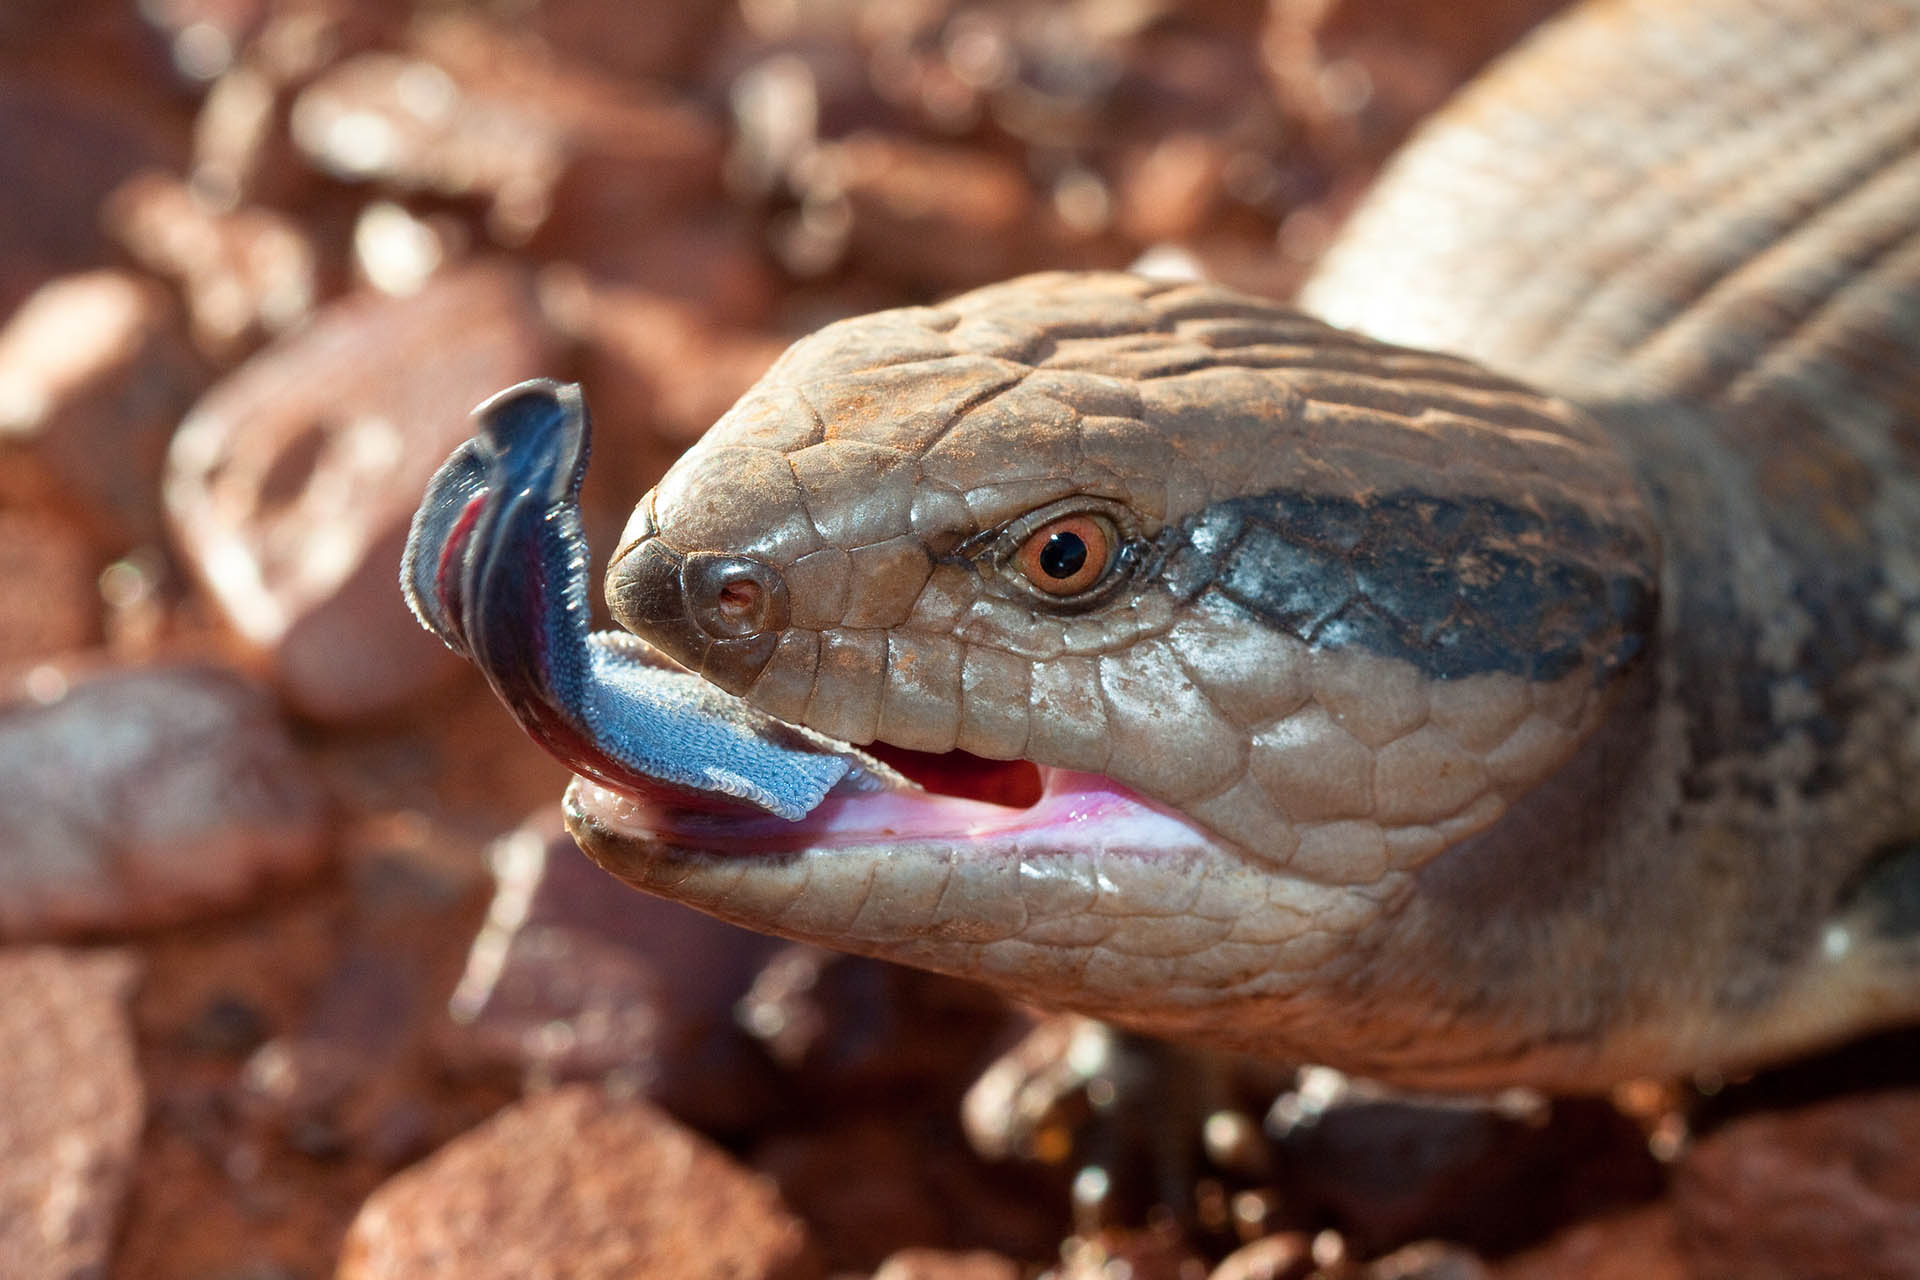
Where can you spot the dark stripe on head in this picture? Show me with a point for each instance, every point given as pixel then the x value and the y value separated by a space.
pixel 1455 586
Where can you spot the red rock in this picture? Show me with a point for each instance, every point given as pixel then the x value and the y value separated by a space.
pixel 27 18
pixel 47 601
pixel 135 798
pixel 345 1081
pixel 248 273
pixel 1828 1190
pixel 99 52
pixel 403 121
pixel 786 91
pixel 478 112
pixel 93 378
pixel 1428 1260
pixel 73 1111
pixel 1637 1245
pixel 1281 1257
pixel 574 1184
pixel 243 149
pixel 290 485
pixel 939 1264
pixel 576 977
pixel 357 1028
pixel 1143 1254
pixel 1204 76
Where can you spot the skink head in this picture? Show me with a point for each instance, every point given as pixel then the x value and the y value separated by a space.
pixel 1282 615
pixel 1339 601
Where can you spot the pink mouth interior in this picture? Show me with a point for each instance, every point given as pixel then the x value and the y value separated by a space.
pixel 959 797
pixel 1013 783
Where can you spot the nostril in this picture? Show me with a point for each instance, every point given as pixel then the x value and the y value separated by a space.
pixel 732 596
pixel 738 602
pixel 719 615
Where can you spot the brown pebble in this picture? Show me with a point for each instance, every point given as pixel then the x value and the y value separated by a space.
pixel 1145 1253
pixel 476 111
pixel 73 1109
pixel 142 797
pixel 574 1184
pixel 94 374
pixel 1637 1245
pixel 1428 1260
pixel 940 1264
pixel 577 977
pixel 1829 1190
pixel 247 273
pixel 1282 1257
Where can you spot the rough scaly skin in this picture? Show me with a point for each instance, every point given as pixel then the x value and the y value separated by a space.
pixel 1484 738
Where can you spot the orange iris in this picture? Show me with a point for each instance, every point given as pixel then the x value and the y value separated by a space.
pixel 1066 556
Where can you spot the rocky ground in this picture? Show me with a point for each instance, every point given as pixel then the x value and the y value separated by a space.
pixel 300 976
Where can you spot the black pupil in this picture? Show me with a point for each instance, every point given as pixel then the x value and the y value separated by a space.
pixel 1063 556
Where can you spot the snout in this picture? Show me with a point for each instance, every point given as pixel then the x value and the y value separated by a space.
pixel 720 615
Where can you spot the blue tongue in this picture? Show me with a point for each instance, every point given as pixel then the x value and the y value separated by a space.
pixel 496 566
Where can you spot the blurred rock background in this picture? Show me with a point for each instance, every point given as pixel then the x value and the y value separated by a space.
pixel 298 974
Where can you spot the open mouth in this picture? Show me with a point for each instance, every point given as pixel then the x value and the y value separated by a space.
pixel 1014 784
pixel 885 796
pixel 496 567
pixel 923 797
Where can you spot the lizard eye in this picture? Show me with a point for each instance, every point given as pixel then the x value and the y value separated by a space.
pixel 1066 556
